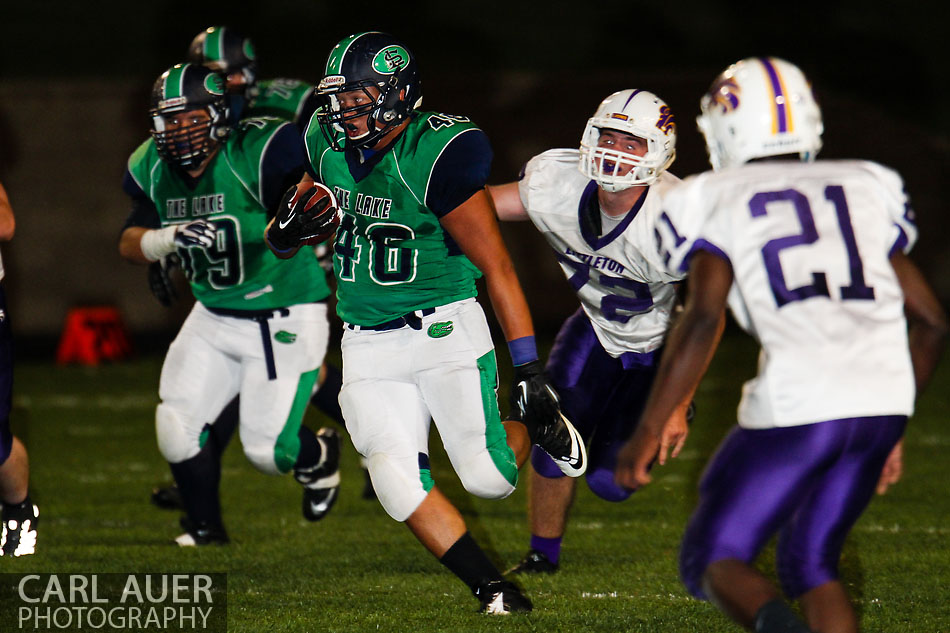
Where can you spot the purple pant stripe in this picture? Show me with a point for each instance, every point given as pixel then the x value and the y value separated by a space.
pixel 811 482
pixel 602 399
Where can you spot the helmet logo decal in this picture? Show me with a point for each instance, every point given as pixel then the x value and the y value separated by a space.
pixel 619 115
pixel 725 94
pixel 390 59
pixel 781 113
pixel 249 50
pixel 214 84
pixel 667 122
pixel 331 81
pixel 174 102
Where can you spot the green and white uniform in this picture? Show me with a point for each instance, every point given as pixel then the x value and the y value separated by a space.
pixel 282 98
pixel 258 325
pixel 415 343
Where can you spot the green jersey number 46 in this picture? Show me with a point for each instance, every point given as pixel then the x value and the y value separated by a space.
pixel 389 262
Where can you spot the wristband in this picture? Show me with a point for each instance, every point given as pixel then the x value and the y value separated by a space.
pixel 156 243
pixel 523 350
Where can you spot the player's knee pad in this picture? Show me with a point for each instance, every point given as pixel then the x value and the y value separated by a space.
pixel 544 465
pixel 490 472
pixel 263 457
pixel 399 491
pixel 601 483
pixel 176 441
pixel 485 481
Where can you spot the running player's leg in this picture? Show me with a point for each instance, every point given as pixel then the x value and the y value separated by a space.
pixel 575 371
pixel 18 515
pixel 753 484
pixel 272 408
pixel 197 381
pixel 809 546
pixel 388 421
pixel 457 377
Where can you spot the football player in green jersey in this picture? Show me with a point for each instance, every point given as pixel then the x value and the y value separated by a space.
pixel 418 229
pixel 229 52
pixel 205 189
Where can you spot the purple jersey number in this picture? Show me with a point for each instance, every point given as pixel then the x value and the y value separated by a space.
pixel 618 308
pixel 818 287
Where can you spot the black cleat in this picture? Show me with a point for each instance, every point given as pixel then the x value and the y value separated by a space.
pixel 18 529
pixel 168 498
pixel 501 597
pixel 201 534
pixel 561 441
pixel 321 483
pixel 534 562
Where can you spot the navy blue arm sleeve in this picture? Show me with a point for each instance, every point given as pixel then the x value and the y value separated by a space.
pixel 310 105
pixel 460 172
pixel 282 166
pixel 144 213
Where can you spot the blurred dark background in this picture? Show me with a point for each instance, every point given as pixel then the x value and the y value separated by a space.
pixel 74 82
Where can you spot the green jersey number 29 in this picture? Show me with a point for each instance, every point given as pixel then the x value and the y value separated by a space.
pixel 224 256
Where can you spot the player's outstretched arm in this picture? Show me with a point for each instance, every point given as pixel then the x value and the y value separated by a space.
pixel 507 202
pixel 143 245
pixel 927 336
pixel 688 351
pixel 926 319
pixel 473 227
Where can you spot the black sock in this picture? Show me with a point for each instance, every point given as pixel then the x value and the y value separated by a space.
pixel 223 428
pixel 468 561
pixel 776 617
pixel 311 451
pixel 327 398
pixel 198 481
pixel 17 510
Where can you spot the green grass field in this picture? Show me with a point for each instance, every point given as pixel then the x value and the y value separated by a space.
pixel 94 462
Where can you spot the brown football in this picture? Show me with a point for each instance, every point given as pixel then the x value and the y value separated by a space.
pixel 323 193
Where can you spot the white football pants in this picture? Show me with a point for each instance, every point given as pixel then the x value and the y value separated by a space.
pixel 215 357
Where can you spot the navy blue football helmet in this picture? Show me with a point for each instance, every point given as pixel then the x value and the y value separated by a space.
pixel 184 88
pixel 360 62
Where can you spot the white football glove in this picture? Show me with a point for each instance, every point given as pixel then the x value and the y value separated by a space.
pixel 157 243
pixel 197 233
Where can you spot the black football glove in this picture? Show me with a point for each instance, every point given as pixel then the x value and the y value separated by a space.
pixel 295 223
pixel 533 400
pixel 160 281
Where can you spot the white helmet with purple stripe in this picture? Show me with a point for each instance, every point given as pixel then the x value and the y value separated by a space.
pixel 758 107
pixel 636 112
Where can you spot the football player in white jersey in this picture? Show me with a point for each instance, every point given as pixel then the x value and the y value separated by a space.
pixel 810 257
pixel 597 207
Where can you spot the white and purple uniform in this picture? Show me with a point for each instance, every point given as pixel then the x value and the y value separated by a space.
pixel 809 246
pixel 605 355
